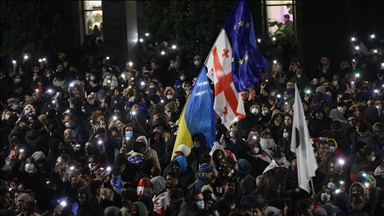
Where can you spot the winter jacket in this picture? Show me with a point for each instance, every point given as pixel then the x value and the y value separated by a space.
pixel 372 142
pixel 38 140
pixel 187 210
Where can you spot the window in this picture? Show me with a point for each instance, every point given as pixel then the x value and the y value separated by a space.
pixel 93 17
pixel 279 18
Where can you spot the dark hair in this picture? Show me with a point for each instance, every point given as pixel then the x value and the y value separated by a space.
pixel 175 194
pixel 191 195
pixel 365 151
pixel 29 206
pixel 3 192
pixel 173 174
pixel 336 125
pixel 129 194
pixel 228 180
pixel 204 158
pixel 77 102
pixel 304 204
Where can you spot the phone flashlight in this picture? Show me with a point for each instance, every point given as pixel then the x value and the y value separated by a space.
pixel 107 58
pixel 100 142
pixel 366 184
pixel 71 85
pixel 49 90
pixel 286 103
pixel 278 96
pixel 25 57
pixel 109 81
pixel 274 62
pixel 127 138
pixel 47 182
pixel 114 118
pixel 375 51
pixel 72 168
pixel 13 62
pixel 133 112
pixel 273 38
pixel 123 76
pixel 130 63
pixel 108 168
pixel 142 83
pixel 258 40
pixel 341 161
pixel 44 59
pixel 357 47
pixel 53 101
pixel 341 182
pixel 162 101
pixel 353 38
pixel 21 150
pixel 337 191
pixel 372 36
pixel 376 91
pixel 40 60
pixel 63 204
pixel 357 75
pixel 308 91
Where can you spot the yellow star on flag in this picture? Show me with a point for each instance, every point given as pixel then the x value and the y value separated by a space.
pixel 240 61
pixel 241 23
pixel 234 27
pixel 246 57
pixel 233 59
pixel 247 25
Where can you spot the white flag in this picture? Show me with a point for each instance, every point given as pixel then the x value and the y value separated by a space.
pixel 301 145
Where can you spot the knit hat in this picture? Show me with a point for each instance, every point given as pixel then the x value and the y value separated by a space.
pixel 289 91
pixel 320 89
pixel 158 184
pixel 205 168
pixel 101 94
pixel 36 125
pixel 38 155
pixel 184 149
pixel 171 106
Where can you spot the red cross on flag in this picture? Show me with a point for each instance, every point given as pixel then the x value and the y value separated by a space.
pixel 228 103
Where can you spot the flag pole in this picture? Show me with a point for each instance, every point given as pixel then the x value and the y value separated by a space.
pixel 313 188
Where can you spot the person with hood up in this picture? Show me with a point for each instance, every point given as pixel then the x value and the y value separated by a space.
pixel 84 205
pixel 37 136
pixel 372 137
pixel 276 171
pixel 267 144
pixel 203 176
pixel 276 123
pixel 130 136
pixel 319 122
pixel 246 182
pixel 169 94
pixel 336 115
pixel 148 152
pixel 179 164
pixel 193 70
pixel 138 209
pixel 199 145
pixel 334 149
pixel 160 199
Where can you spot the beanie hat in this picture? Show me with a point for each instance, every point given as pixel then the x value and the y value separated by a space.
pixel 171 106
pixel 289 91
pixel 184 149
pixel 38 155
pixel 205 168
pixel 158 184
pixel 101 94
pixel 36 125
pixel 320 89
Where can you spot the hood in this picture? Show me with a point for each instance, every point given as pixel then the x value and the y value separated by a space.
pixel 145 139
pixel 198 57
pixel 111 210
pixel 217 146
pixel 358 184
pixel 87 190
pixel 275 112
pixel 142 208
pixel 32 134
pixel 169 88
pixel 372 115
pixel 272 211
pixel 182 101
pixel 336 145
pixel 203 142
pixel 318 109
pixel 158 184
pixel 182 163
pixel 336 115
pixel 122 131
pixel 244 168
pixel 159 122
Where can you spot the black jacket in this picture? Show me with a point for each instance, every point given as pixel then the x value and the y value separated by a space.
pixel 37 140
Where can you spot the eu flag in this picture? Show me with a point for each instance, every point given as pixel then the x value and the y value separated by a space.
pixel 247 62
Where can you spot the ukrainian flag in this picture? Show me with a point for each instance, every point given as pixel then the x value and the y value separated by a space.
pixel 198 115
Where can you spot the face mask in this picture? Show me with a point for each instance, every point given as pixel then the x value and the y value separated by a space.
pixel 200 204
pixel 264 112
pixel 36 71
pixel 15 107
pixel 169 97
pixel 21 72
pixel 92 78
pixel 329 94
pixel 128 134
pixel 254 111
pixel 67 125
pixel 18 80
pixel 331 185
pixel 325 197
pixel 48 75
pixel 91 101
pixel 172 65
pixel 6 117
pixel 87 78
pixel 108 77
pixel 29 167
pixel 91 165
pixel 255 150
pixel 87 150
pixel 34 78
pixel 282 161
pixel 285 135
pixel 323 138
pixel 62 167
pixel 83 110
pixel 373 158
pixel 233 207
pixel 232 134
pixel 196 144
pixel 331 149
pixel 182 78
pixel 220 156
pixel 335 83
pixel 285 98
pixel 197 63
pixel 341 109
pixel 102 126
pixel 166 140
pixel 298 76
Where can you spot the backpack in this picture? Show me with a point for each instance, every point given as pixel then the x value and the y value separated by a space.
pixel 191 187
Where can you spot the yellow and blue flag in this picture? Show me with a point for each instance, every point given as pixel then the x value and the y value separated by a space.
pixel 247 62
pixel 198 115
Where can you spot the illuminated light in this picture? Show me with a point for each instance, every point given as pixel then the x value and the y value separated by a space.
pixel 353 39
pixel 357 47
pixel 273 38
pixel 130 63
pixel 146 34
pixel 372 36
pixel 44 59
pixel 25 57
pixel 174 46
pixel 107 58
pixel 63 203
pixel 162 53
pixel 258 40
pixel 141 40
pixel 13 62
pixel 274 62
pixel 40 60
pixel 341 162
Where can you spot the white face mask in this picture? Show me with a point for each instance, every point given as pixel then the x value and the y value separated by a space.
pixel 34 78
pixel 200 204
pixel 169 97
pixel 48 75
pixel 264 112
pixel 335 83
pixel 197 63
pixel 92 78
pixel 331 149
pixel 285 135
pixel 6 116
pixel 331 185
pixel 298 76
pixel 325 197
pixel 172 65
pixel 341 109
pixel 285 98
pixel 373 158
pixel 182 78
pixel 91 101
pixel 108 77
pixel 232 134
pixel 67 125
pixel 283 161
pixel 255 150
pixel 254 111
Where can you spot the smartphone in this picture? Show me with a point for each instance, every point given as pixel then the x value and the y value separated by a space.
pixel 253 93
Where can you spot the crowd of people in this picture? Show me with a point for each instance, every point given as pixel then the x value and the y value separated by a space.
pixel 82 136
